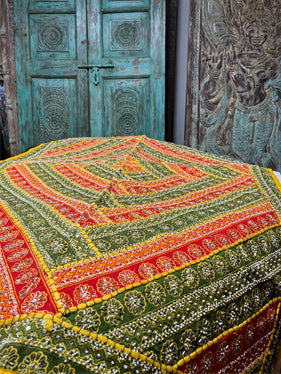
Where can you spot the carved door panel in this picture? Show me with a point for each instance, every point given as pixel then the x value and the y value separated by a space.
pixel 89 68
pixel 52 93
pixel 130 96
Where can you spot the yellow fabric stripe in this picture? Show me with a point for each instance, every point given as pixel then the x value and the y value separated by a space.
pixel 276 180
pixel 6 371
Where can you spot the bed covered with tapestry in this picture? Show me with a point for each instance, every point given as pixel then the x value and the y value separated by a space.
pixel 128 255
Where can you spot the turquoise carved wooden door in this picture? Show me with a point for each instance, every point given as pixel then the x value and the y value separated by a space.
pixel 89 68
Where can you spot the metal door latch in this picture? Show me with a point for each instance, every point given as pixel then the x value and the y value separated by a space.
pixel 95 70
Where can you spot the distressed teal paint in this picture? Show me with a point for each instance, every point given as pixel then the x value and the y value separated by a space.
pixel 89 68
pixel 50 43
pixel 131 36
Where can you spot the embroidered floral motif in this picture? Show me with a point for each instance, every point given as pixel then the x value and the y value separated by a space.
pixel 107 285
pixel 261 325
pixel 245 252
pixel 233 258
pixel 26 289
pixel 218 325
pixel 249 334
pixel 264 244
pixel 8 235
pixel 173 285
pixel 181 257
pixel 246 306
pixel 84 293
pixel 210 244
pixel 119 240
pixel 138 235
pixel 147 270
pixel 207 363
pixel 192 368
pixel 273 238
pixel 14 245
pixel 27 276
pixel 57 245
pixel 190 277
pixel 135 302
pixel 155 293
pixel 232 314
pixel 18 255
pixel 204 332
pixel 206 271
pixel 165 264
pixel 267 291
pixel 263 222
pixel 112 311
pixel 254 225
pixel 235 235
pixel 23 265
pixel 254 248
pixel 169 351
pixel 127 277
pixel 48 235
pixel 222 353
pixel 277 283
pixel 196 251
pixel 65 300
pixel 103 245
pixel 220 265
pixel 187 342
pixel 3 220
pixel 35 224
pixel 223 240
pixel 244 229
pixel 9 358
pixel 34 302
pixel 237 344
pixel 62 369
pixel 256 298
pixel 88 319
pixel 35 363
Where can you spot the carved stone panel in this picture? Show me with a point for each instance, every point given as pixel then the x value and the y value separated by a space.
pixel 234 82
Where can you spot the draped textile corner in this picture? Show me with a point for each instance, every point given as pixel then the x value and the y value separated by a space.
pixel 130 255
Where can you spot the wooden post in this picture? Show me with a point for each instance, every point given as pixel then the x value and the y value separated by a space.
pixel 7 56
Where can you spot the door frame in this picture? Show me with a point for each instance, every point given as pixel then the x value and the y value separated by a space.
pixel 7 57
pixel 171 39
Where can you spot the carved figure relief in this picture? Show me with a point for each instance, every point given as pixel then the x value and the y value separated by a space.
pixel 54 114
pixel 239 81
